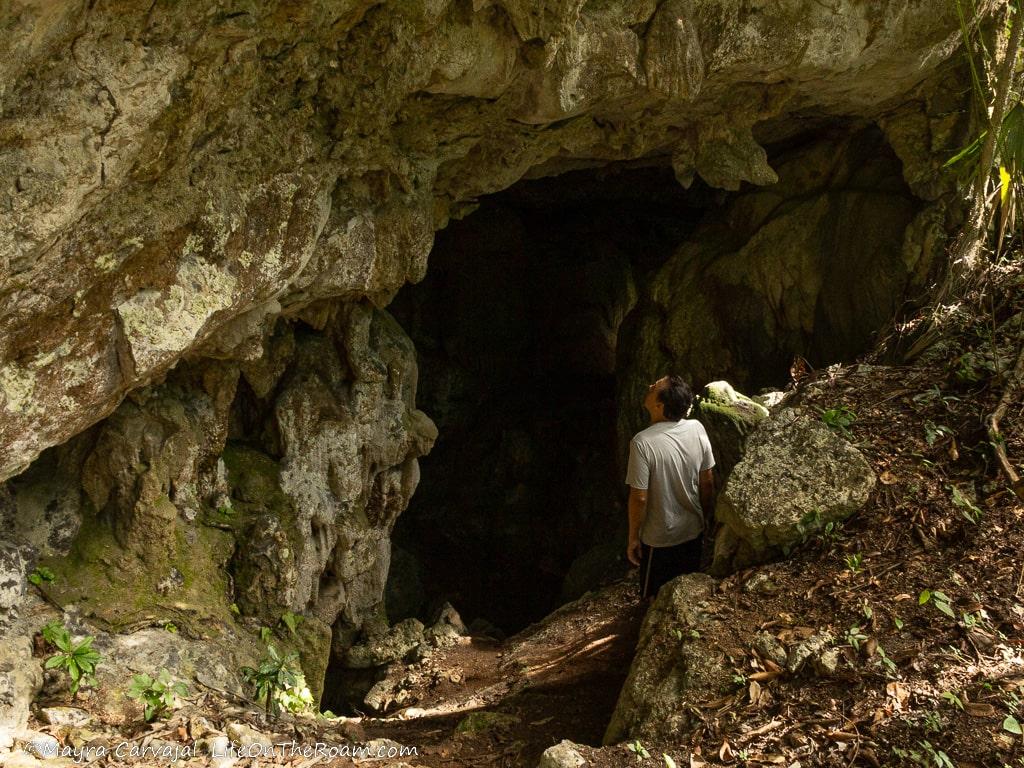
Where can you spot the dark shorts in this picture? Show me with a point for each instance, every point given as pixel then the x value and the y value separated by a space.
pixel 659 565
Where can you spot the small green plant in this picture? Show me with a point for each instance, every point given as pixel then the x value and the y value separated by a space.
pixel 839 419
pixel 79 659
pixel 891 670
pixel 156 693
pixel 292 620
pixel 740 681
pixel 934 395
pixel 41 575
pixel 1012 725
pixel 855 637
pixel 953 699
pixel 639 750
pixel 938 599
pixel 170 626
pixel 933 431
pixel 855 562
pixel 669 762
pixel 932 721
pixel 897 622
pixel 831 533
pixel 967 508
pixel 278 683
pixel 235 609
pixel 266 634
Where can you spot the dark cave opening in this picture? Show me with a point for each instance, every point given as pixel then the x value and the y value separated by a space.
pixel 516 328
pixel 546 311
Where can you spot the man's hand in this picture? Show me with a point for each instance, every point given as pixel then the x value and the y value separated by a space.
pixel 637 512
pixel 633 551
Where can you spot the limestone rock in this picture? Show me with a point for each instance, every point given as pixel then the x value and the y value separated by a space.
pixel 65 716
pixel 394 644
pixel 13 573
pixel 561 755
pixel 808 650
pixel 21 677
pixel 170 149
pixel 672 670
pixel 728 416
pixel 447 629
pixel 796 476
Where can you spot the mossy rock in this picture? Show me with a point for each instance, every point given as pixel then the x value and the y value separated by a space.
pixel 179 577
pixel 728 416
pixel 477 723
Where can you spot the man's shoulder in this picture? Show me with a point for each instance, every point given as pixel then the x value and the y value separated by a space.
pixel 661 429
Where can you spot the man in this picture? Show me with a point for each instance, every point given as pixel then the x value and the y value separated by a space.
pixel 671 487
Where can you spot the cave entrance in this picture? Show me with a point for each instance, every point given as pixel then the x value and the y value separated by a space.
pixel 515 327
pixel 545 313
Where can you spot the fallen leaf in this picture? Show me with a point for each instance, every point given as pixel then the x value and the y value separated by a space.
pixel 754 691
pixel 725 752
pixel 899 693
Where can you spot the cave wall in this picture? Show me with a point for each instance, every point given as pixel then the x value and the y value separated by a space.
pixel 181 179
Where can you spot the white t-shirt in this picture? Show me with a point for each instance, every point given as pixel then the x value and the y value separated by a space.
pixel 665 460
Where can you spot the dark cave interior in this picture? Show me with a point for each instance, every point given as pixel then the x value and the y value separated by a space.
pixel 516 328
pixel 535 331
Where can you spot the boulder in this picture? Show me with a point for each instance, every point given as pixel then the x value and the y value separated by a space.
pixel 392 645
pixel 796 476
pixel 728 416
pixel 674 669
pixel 563 755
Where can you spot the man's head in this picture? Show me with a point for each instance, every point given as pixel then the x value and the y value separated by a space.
pixel 668 399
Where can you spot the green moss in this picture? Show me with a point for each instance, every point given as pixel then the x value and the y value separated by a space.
pixel 119 587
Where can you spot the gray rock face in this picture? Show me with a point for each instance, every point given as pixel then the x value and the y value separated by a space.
pixel 185 175
pixel 21 677
pixel 673 669
pixel 13 572
pixel 795 477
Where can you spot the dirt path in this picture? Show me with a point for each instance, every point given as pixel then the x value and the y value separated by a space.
pixel 558 679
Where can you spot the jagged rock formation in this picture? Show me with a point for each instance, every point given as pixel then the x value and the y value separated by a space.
pixel 795 477
pixel 202 205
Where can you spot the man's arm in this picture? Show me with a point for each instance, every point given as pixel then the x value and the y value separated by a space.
pixel 706 482
pixel 637 513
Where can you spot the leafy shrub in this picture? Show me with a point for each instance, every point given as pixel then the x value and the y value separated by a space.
pixel 79 659
pixel 157 693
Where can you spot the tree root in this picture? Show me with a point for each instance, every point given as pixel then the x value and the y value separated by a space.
pixel 998 442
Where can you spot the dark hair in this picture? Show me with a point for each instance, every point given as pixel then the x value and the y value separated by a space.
pixel 677 398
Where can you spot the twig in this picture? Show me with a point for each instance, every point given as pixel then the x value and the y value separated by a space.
pixel 998 442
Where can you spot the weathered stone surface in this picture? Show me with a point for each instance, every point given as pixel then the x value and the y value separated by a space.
pixel 13 572
pixel 563 755
pixel 673 670
pixel 186 171
pixel 796 476
pixel 65 716
pixel 728 416
pixel 21 677
pixel 392 645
